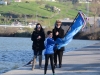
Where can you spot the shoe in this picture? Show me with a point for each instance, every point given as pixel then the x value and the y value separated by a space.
pixel 40 67
pixel 32 68
pixel 59 66
pixel 55 66
pixel 53 73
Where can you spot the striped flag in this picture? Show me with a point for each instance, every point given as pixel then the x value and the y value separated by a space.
pixel 77 25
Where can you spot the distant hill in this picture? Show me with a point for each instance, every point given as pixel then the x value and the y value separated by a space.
pixel 28 11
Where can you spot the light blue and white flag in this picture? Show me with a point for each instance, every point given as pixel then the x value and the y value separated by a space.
pixel 77 25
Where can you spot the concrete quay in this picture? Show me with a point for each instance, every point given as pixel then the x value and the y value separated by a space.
pixel 84 61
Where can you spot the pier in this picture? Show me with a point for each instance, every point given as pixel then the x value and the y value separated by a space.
pixel 84 61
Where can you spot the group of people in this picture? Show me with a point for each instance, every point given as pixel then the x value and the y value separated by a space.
pixel 49 44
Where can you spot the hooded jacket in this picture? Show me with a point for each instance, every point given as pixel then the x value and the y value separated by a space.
pixel 49 46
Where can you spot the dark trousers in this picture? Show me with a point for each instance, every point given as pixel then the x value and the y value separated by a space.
pixel 38 52
pixel 47 56
pixel 58 53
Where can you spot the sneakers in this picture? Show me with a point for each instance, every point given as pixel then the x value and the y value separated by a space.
pixel 53 73
pixel 59 66
pixel 32 68
pixel 55 66
pixel 40 67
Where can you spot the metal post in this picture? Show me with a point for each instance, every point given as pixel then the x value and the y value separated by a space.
pixel 87 7
pixel 36 16
pixel 25 19
pixel 5 20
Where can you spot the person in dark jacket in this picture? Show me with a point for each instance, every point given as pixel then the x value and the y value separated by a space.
pixel 49 52
pixel 58 32
pixel 38 37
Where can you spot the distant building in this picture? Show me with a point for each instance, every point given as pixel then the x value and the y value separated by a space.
pixel 85 1
pixel 66 23
pixel 91 21
pixel 3 2
pixel 45 0
pixel 16 23
pixel 51 0
pixel 17 0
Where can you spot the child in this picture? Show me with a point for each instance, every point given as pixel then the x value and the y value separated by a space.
pixel 49 52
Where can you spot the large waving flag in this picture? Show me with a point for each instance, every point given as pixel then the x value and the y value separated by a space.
pixel 77 25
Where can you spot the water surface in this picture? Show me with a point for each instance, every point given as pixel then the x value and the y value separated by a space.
pixel 16 52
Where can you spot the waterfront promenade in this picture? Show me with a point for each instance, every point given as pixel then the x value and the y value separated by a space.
pixel 84 61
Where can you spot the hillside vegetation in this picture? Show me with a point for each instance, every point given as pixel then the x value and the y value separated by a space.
pixel 37 11
pixel 28 11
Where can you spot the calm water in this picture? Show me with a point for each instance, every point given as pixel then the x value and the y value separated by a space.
pixel 16 52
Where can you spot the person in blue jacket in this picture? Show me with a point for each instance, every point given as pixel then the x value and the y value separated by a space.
pixel 49 52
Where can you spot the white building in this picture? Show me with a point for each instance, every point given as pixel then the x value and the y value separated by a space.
pixel 84 1
pixel 51 0
pixel 17 0
pixel 2 2
pixel 91 21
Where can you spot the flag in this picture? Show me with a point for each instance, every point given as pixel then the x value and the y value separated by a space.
pixel 77 25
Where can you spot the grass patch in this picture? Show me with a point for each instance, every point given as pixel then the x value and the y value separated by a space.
pixel 34 8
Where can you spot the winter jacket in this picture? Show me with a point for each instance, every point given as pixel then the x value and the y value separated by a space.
pixel 38 44
pixel 61 34
pixel 49 45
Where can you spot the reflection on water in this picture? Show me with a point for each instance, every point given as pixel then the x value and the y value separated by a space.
pixel 16 52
